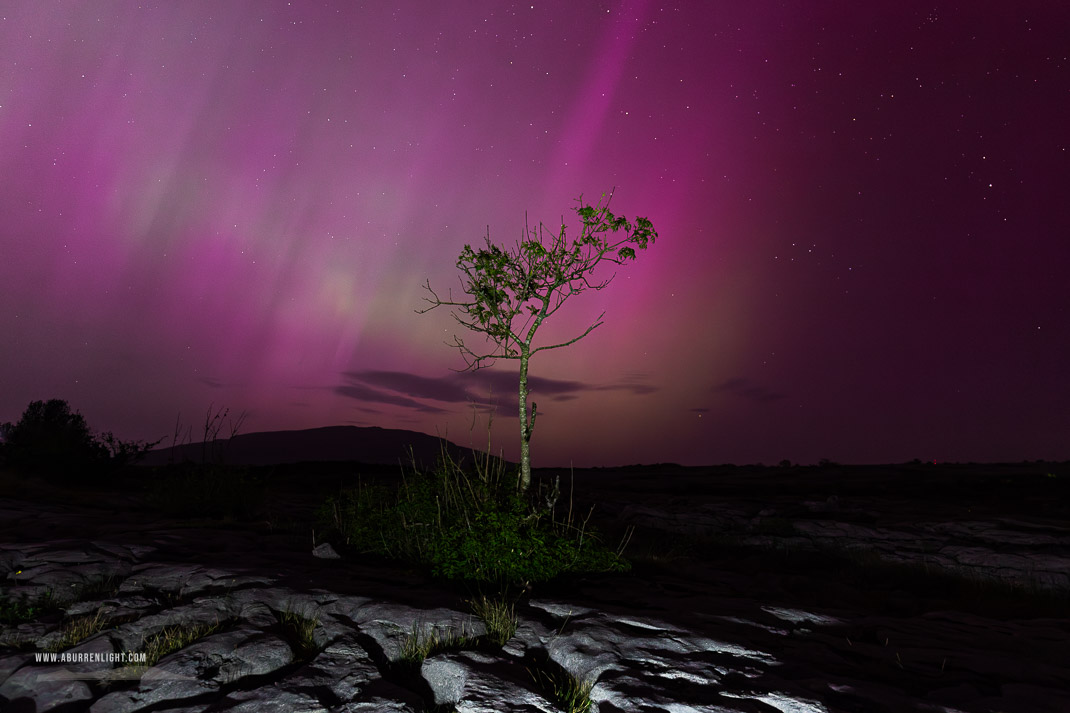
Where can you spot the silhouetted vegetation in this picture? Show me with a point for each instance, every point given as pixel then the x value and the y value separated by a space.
pixel 213 448
pixel 51 440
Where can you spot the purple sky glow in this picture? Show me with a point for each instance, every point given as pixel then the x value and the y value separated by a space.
pixel 864 226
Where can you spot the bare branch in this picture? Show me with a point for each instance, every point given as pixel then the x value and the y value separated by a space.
pixel 438 302
pixel 597 323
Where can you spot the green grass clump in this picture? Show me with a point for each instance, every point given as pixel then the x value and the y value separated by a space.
pixel 420 644
pixel 299 631
pixel 568 692
pixel 498 615
pixel 472 525
pixel 79 629
pixel 173 638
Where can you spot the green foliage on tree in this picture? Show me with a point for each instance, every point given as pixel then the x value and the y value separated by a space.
pixel 51 440
pixel 511 292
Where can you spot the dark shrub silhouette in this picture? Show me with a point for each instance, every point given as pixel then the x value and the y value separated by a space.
pixel 52 440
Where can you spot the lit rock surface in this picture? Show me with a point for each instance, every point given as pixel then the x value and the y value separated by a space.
pixel 688 637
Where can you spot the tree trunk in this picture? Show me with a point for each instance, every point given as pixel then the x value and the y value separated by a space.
pixel 525 425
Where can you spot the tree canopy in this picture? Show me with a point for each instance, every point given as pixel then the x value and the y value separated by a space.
pixel 511 292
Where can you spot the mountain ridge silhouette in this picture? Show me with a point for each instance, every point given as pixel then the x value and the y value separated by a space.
pixel 371 445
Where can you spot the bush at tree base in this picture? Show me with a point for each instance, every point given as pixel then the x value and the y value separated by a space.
pixel 466 527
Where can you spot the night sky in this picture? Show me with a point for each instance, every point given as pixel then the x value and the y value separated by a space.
pixel 862 208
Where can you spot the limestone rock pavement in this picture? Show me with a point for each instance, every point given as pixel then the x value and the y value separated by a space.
pixel 693 635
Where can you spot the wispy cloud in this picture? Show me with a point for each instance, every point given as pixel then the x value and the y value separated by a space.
pixel 441 389
pixel 637 382
pixel 473 388
pixel 748 389
pixel 369 394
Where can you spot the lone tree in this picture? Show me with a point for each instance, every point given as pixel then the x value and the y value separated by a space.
pixel 512 292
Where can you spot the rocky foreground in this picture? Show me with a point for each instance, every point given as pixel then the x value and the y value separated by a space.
pixel 697 626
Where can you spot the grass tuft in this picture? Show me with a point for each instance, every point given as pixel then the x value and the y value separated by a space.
pixel 79 629
pixel 571 694
pixel 422 643
pixel 173 638
pixel 498 615
pixel 299 631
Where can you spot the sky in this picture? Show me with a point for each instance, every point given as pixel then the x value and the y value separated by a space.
pixel 862 215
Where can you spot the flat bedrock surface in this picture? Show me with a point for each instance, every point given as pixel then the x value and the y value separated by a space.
pixel 708 629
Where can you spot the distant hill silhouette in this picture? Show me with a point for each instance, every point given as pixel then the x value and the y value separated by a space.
pixel 370 445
